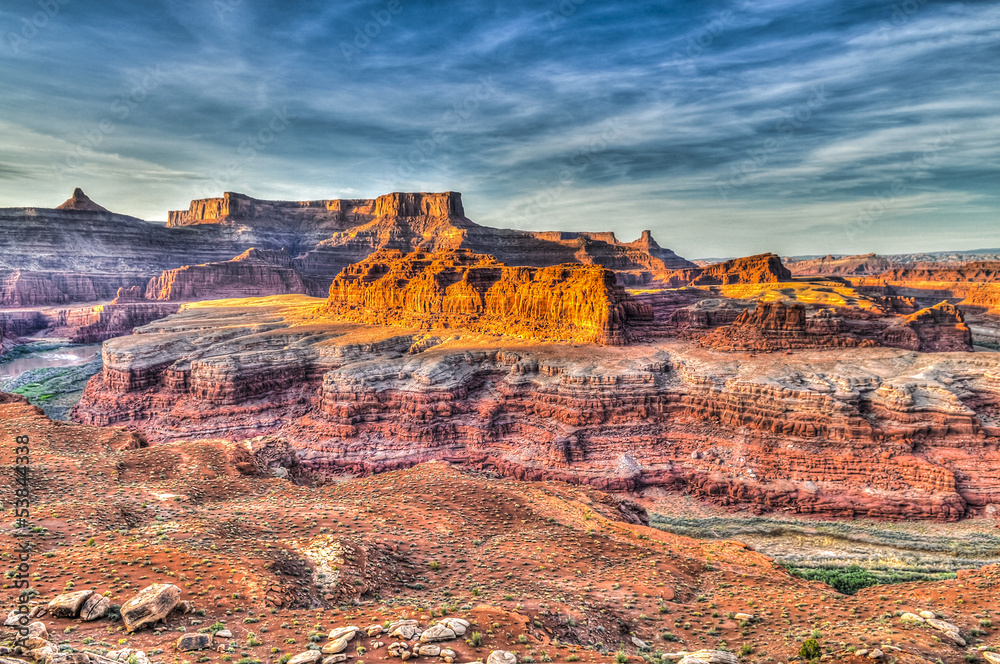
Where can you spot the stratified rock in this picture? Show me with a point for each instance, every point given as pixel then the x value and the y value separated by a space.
pixel 866 265
pixel 474 292
pixel 152 603
pixel 759 269
pixel 254 273
pixel 940 328
pixel 68 605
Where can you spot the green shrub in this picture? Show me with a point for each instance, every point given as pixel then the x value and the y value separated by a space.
pixel 810 650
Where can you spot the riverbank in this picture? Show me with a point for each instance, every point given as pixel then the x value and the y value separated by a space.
pixel 51 373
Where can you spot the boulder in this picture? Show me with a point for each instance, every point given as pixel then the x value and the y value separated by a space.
pixel 224 634
pixel 501 657
pixel 955 638
pixel 942 625
pixel 927 614
pixel 96 607
pixel 38 629
pixel 875 654
pixel 912 617
pixel 337 645
pixel 340 632
pixel 710 657
pixel 307 657
pixel 456 625
pixel 152 603
pixel 13 619
pixel 437 633
pixel 373 630
pixel 744 617
pixel 428 650
pixel 334 659
pixel 991 657
pixel 125 654
pixel 67 658
pixel 194 641
pixel 68 605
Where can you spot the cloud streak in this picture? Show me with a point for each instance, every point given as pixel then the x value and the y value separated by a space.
pixel 696 90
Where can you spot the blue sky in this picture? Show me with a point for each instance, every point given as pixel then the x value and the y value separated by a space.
pixel 726 128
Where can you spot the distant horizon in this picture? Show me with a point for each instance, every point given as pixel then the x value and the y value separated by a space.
pixel 618 235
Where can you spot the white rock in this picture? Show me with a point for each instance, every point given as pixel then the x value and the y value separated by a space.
pixel 991 657
pixel 638 643
pixel 307 657
pixel 224 634
pixel 956 638
pixel 350 631
pixel 942 625
pixel 710 657
pixel 428 650
pixel 744 617
pixel 501 657
pixel 437 633
pixel 335 646
pixel 911 617
pixel 927 614
pixel 456 625
pixel 373 630
pixel 875 654
pixel 335 659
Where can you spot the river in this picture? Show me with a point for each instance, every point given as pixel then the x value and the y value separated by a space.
pixel 51 373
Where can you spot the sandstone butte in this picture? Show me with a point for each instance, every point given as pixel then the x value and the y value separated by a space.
pixel 474 292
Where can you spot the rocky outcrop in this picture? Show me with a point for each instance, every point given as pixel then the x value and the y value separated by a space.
pixel 939 328
pixel 80 201
pixel 855 266
pixel 777 326
pixel 474 292
pixel 25 288
pixel 760 269
pixel 874 432
pixel 85 325
pixel 254 273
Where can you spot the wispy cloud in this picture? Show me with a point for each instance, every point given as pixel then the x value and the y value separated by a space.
pixel 893 83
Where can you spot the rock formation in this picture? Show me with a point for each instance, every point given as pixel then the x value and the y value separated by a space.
pixel 461 290
pixel 254 273
pixel 875 432
pixel 760 269
pixel 866 265
pixel 80 201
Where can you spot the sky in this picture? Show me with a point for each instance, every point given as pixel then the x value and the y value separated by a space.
pixel 726 128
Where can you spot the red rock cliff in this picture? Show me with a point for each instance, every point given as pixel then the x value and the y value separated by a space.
pixel 459 289
pixel 759 269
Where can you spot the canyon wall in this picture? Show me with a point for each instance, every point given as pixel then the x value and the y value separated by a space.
pixel 759 269
pixel 851 432
pixel 462 290
pixel 254 273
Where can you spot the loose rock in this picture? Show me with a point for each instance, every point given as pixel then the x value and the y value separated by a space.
pixel 68 605
pixel 152 603
pixel 710 657
pixel 437 633
pixel 501 657
pixel 96 607
pixel 194 641
pixel 307 657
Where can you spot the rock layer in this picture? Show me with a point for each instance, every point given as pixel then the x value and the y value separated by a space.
pixel 462 290
pixel 846 432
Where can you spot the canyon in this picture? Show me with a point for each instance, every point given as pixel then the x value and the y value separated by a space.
pixel 374 334
pixel 844 432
